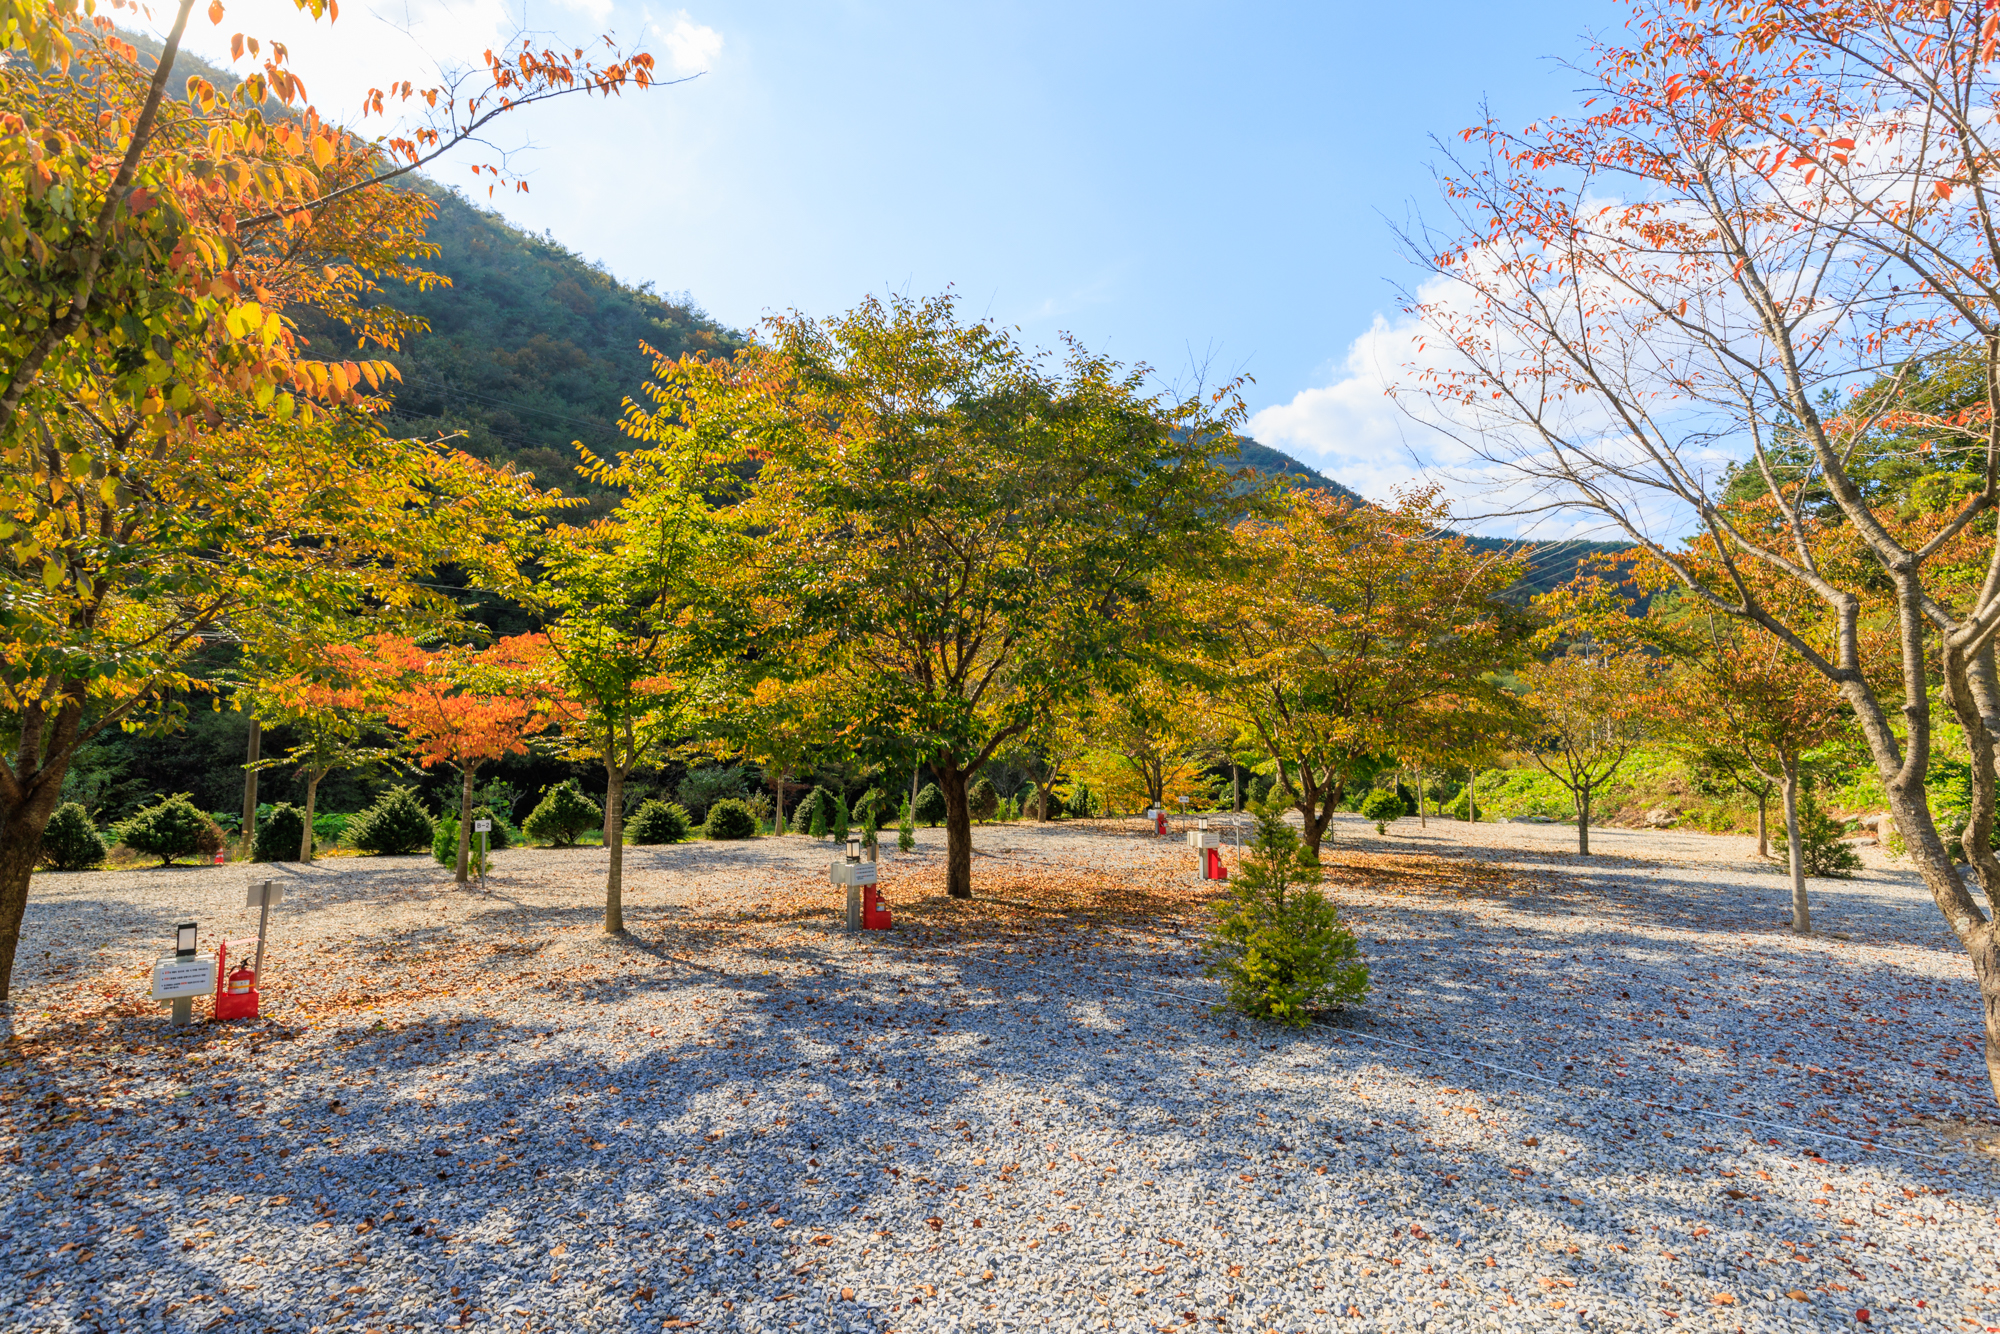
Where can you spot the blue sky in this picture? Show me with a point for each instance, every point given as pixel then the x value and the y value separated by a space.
pixel 1189 185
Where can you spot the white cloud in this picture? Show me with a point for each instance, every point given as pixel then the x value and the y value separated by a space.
pixel 1355 433
pixel 690 47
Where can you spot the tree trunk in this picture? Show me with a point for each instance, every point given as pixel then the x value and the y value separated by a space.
pixel 1472 796
pixel 465 824
pixel 614 839
pixel 1423 822
pixel 250 788
pixel 958 831
pixel 1801 914
pixel 1583 822
pixel 1763 825
pixel 1236 785
pixel 778 825
pixel 20 848
pixel 312 797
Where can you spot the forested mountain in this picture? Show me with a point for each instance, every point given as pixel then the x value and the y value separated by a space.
pixel 531 347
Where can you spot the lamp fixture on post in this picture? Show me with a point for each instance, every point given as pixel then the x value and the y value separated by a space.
pixel 853 846
pixel 1201 823
pixel 184 940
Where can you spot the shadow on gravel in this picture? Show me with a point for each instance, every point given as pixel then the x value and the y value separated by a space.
pixel 1015 1030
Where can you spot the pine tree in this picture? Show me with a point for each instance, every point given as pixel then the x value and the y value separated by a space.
pixel 1279 943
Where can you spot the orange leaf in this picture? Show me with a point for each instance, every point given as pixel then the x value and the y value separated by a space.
pixel 215 11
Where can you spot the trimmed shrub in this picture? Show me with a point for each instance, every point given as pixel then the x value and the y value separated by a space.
pixel 170 830
pixel 71 842
pixel 1278 942
pixel 1082 802
pixel 564 814
pixel 982 799
pixel 930 805
pixel 1821 853
pixel 817 813
pixel 906 829
pixel 397 824
pixel 328 826
pixel 279 832
pixel 1381 805
pixel 843 819
pixel 660 822
pixel 212 840
pixel 702 788
pixel 729 819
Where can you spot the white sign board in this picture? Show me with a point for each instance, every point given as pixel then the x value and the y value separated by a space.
pixel 263 892
pixel 482 826
pixel 178 979
pixel 1204 838
pixel 853 873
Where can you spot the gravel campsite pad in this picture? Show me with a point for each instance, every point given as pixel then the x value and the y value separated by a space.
pixel 467 1108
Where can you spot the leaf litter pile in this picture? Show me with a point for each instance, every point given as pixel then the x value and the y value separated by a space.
pixel 472 1109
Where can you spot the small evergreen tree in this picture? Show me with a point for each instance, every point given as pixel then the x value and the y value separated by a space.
pixel 729 819
pixel 930 805
pixel 444 842
pixel 819 817
pixel 71 842
pixel 1278 942
pixel 843 820
pixel 1381 805
pixel 660 822
pixel 395 825
pixel 981 799
pixel 906 829
pixel 175 828
pixel 562 816
pixel 1821 853
pixel 280 832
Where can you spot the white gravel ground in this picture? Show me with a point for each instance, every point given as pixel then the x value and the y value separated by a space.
pixel 475 1109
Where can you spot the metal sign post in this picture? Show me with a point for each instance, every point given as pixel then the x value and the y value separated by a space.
pixel 265 896
pixel 483 828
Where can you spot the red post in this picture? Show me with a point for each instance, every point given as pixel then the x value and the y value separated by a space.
pixel 1216 870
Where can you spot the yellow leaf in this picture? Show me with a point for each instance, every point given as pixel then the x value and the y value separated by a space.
pixel 52 574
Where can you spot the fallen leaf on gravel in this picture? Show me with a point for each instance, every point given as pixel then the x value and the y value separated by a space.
pixel 441 1151
pixel 847 1294
pixel 1798 1296
pixel 1724 1299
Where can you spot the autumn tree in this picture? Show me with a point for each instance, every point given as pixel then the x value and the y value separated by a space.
pixel 153 246
pixel 462 708
pixel 1342 627
pixel 1767 205
pixel 633 621
pixel 1591 709
pixel 329 711
pixel 956 531
pixel 1149 737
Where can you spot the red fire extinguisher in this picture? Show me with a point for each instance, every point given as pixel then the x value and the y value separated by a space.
pixel 1160 823
pixel 241 979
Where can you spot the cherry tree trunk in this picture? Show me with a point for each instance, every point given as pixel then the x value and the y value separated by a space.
pixel 312 798
pixel 1583 821
pixel 614 840
pixel 465 825
pixel 957 831
pixel 20 848
pixel 250 788
pixel 1801 912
